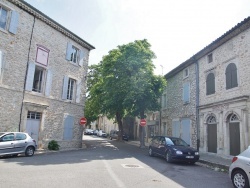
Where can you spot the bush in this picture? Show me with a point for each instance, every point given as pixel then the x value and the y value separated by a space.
pixel 53 145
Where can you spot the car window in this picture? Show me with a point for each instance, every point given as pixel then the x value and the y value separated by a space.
pixel 179 142
pixel 20 136
pixel 8 137
pixel 169 142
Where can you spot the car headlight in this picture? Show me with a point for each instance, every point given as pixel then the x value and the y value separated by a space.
pixel 196 153
pixel 179 152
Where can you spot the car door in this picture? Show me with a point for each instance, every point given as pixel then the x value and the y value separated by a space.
pixel 20 142
pixel 7 144
pixel 162 146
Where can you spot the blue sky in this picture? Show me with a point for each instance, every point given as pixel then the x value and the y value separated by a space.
pixel 176 29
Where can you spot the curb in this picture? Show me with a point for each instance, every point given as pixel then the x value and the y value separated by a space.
pixel 214 165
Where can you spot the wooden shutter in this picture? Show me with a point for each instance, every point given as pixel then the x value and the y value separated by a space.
pixel 68 128
pixel 13 22
pixel 210 83
pixel 186 92
pixel 1 62
pixel 81 57
pixel 78 91
pixel 69 51
pixel 65 87
pixel 234 75
pixel 48 82
pixel 176 129
pixel 185 127
pixel 30 77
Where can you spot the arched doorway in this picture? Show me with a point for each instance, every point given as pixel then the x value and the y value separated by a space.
pixel 234 134
pixel 211 134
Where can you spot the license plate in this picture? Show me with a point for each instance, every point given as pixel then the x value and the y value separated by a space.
pixel 190 157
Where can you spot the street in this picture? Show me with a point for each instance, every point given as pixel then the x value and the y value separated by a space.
pixel 105 163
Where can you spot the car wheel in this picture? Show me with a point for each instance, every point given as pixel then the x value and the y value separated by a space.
pixel 168 157
pixel 29 151
pixel 239 179
pixel 150 152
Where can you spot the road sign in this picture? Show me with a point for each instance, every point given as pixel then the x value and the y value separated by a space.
pixel 143 122
pixel 83 121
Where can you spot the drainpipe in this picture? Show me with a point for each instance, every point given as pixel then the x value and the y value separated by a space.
pixel 197 105
pixel 24 85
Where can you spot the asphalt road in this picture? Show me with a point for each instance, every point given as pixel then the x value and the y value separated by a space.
pixel 105 163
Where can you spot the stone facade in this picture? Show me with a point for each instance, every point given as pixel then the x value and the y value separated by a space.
pixel 178 116
pixel 48 114
pixel 219 116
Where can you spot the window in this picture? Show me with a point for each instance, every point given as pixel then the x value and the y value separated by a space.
pixel 231 76
pixel 3 18
pixel 20 136
pixel 38 79
pixel 210 83
pixel 13 17
pixel 186 93
pixel 210 58
pixel 34 115
pixel 74 55
pixel 71 89
pixel 185 73
pixel 8 137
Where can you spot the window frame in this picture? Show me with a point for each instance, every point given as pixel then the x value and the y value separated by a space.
pixel 71 90
pixel 210 58
pixel 184 97
pixel 210 84
pixel 231 76
pixel 7 17
pixel 41 79
pixel 185 73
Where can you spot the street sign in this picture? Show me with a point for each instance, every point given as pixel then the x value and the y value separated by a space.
pixel 83 121
pixel 143 122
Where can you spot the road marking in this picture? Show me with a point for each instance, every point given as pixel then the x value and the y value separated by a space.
pixel 118 182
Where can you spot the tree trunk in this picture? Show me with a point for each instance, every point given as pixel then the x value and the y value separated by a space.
pixel 119 121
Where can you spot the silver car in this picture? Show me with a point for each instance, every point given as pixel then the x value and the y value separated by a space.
pixel 239 170
pixel 14 143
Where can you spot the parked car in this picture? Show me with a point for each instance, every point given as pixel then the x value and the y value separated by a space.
pixel 88 132
pixel 102 133
pixel 114 135
pixel 173 149
pixel 14 143
pixel 239 170
pixel 95 132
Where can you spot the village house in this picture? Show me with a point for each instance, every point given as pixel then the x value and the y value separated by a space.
pixel 206 101
pixel 43 76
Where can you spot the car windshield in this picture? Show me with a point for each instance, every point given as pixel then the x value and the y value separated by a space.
pixel 178 142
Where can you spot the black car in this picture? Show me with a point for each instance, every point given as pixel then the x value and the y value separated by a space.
pixel 173 149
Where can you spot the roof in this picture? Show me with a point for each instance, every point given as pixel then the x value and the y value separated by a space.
pixel 38 14
pixel 240 27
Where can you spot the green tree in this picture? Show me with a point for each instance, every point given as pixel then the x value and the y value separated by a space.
pixel 127 84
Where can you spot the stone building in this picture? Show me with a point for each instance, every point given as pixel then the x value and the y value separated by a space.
pixel 215 83
pixel 42 79
pixel 178 116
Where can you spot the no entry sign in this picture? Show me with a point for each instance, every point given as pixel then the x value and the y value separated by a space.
pixel 143 122
pixel 83 121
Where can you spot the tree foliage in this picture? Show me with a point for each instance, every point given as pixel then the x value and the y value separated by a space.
pixel 124 84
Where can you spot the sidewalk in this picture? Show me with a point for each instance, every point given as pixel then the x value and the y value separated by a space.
pixel 219 163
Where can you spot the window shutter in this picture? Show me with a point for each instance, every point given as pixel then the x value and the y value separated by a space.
pixel 69 51
pixel 48 83
pixel 68 128
pixel 81 58
pixel 176 129
pixel 186 92
pixel 30 76
pixel 1 62
pixel 14 22
pixel 65 87
pixel 78 91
